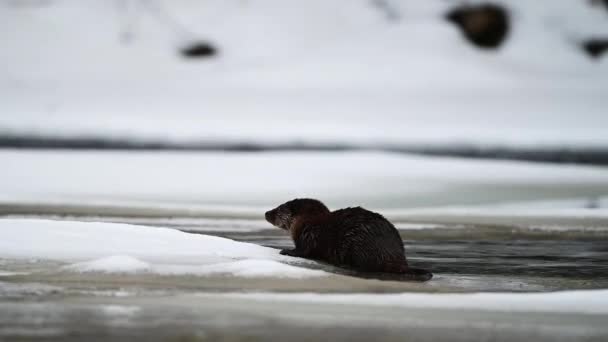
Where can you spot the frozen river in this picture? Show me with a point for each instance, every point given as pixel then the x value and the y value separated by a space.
pixel 40 300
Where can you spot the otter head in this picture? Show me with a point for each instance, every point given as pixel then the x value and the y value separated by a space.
pixel 285 215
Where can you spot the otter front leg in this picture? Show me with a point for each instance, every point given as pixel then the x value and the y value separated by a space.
pixel 305 245
pixel 294 253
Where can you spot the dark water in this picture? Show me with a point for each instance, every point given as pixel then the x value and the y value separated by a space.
pixel 568 259
pixel 549 261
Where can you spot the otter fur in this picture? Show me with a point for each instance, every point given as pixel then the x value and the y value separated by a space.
pixel 355 238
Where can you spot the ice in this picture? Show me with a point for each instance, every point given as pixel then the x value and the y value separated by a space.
pixel 243 268
pixel 123 248
pixel 9 273
pixel 584 302
pixel 214 184
pixel 120 311
pixel 21 290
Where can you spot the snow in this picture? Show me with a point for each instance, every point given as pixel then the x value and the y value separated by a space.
pixel 123 248
pixel 250 268
pixel 214 184
pixel 111 264
pixel 525 215
pixel 314 72
pixel 583 302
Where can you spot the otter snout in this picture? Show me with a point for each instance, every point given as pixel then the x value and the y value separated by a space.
pixel 270 216
pixel 273 217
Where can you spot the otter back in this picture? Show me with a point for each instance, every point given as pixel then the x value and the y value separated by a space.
pixel 354 237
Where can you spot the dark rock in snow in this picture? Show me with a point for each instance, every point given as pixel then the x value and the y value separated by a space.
pixel 484 25
pixel 595 47
pixel 198 50
pixel 600 3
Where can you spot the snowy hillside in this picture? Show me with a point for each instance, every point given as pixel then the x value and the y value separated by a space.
pixel 292 71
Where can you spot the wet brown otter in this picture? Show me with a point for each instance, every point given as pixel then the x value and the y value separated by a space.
pixel 351 237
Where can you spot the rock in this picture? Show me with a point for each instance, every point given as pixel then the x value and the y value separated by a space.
pixel 595 47
pixel 198 50
pixel 599 3
pixel 484 25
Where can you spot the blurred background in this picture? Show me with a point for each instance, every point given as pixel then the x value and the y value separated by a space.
pixel 434 75
pixel 336 93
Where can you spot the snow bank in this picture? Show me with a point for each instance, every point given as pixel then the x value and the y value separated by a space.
pixel 122 248
pixel 585 302
pixel 339 69
pixel 188 182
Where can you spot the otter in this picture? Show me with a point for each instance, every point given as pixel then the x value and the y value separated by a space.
pixel 354 238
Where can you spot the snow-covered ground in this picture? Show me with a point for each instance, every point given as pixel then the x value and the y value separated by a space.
pixel 187 184
pixel 120 248
pixel 310 72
